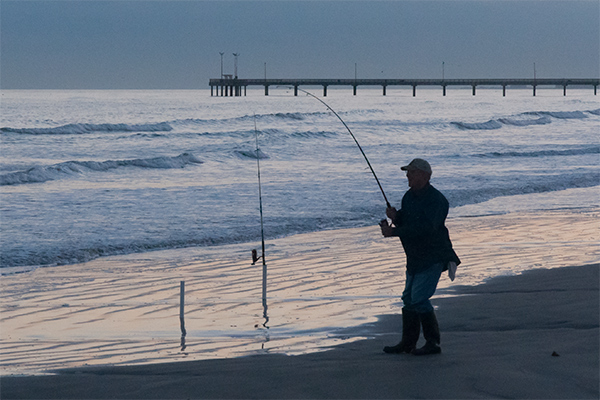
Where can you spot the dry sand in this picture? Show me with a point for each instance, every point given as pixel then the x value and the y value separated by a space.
pixel 113 323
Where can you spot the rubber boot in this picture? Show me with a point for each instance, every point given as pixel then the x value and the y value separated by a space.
pixel 411 328
pixel 431 332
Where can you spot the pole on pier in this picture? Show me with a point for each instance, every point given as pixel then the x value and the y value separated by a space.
pixel 503 90
pixel 266 90
pixel 355 78
pixel 414 90
pixel 444 89
pixel 534 86
pixel 295 90
pixel 324 90
pixel 474 86
pixel 235 64
pixel 221 64
pixel 565 89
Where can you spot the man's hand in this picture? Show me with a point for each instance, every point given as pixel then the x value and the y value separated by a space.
pixel 391 213
pixel 386 229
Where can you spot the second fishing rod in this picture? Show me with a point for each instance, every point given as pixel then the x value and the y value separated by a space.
pixel 255 256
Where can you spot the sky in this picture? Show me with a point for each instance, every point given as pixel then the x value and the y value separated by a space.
pixel 87 44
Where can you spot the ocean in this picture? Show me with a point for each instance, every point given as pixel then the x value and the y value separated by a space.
pixel 87 174
pixel 111 199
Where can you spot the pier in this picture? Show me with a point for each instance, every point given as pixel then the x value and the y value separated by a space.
pixel 229 86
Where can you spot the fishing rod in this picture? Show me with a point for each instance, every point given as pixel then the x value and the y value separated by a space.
pixel 355 141
pixel 255 256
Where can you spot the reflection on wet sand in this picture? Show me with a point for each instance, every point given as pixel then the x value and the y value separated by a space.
pixel 121 310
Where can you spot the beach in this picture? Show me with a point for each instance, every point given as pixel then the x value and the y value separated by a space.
pixel 533 336
pixel 520 321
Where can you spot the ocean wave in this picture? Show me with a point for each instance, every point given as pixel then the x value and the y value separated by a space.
pixel 251 154
pixel 57 171
pixel 551 183
pixel 562 114
pixel 543 120
pixel 313 134
pixel 523 119
pixel 78 129
pixel 491 124
pixel 18 260
pixel 542 153
pixel 296 116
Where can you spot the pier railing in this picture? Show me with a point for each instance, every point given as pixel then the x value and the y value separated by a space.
pixel 234 86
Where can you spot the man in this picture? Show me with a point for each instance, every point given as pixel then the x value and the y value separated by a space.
pixel 420 224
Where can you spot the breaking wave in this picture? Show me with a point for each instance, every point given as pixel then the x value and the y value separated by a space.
pixel 525 119
pixel 57 171
pixel 562 114
pixel 543 153
pixel 525 122
pixel 594 112
pixel 78 129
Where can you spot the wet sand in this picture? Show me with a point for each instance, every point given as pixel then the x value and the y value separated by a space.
pixel 114 322
pixel 531 336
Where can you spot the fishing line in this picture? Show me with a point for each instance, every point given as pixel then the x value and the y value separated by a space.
pixel 355 141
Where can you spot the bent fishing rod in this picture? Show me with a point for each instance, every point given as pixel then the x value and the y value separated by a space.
pixel 355 141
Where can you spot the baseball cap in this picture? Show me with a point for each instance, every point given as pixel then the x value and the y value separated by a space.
pixel 417 164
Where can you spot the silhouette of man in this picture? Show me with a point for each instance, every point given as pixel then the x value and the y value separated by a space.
pixel 420 224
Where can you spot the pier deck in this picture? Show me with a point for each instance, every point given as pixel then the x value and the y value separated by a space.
pixel 233 86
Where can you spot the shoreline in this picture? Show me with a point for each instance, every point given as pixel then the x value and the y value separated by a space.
pixel 498 341
pixel 324 289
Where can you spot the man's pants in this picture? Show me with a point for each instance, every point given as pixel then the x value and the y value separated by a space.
pixel 420 287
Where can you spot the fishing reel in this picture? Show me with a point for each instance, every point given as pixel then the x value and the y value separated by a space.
pixel 255 256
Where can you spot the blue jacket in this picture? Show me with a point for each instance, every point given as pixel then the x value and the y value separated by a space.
pixel 420 224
